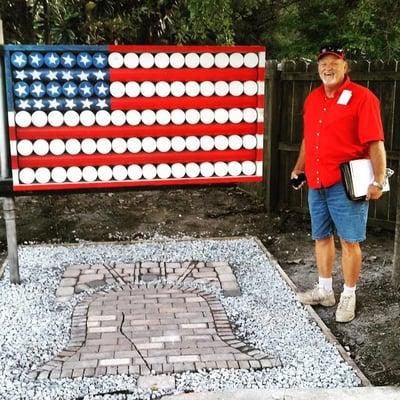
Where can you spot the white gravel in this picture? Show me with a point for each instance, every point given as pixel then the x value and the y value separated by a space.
pixel 33 328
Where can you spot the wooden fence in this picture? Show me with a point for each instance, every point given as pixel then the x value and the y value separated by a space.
pixel 287 85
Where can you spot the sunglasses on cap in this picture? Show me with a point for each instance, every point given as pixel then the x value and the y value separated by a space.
pixel 331 49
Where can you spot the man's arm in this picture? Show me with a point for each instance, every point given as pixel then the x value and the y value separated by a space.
pixel 377 154
pixel 300 164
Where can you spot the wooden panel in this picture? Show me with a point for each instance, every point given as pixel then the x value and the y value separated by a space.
pixel 395 139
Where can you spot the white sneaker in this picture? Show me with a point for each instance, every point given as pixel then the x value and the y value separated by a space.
pixel 346 310
pixel 316 296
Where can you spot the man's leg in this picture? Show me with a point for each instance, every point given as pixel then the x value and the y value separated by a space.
pixel 325 256
pixel 322 293
pixel 322 233
pixel 351 266
pixel 350 219
pixel 351 262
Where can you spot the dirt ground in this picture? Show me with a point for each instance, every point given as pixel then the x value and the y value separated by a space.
pixel 372 339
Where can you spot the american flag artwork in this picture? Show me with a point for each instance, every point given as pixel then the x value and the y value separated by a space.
pixel 85 117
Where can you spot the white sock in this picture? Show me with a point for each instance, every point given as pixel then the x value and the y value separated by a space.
pixel 325 283
pixel 349 290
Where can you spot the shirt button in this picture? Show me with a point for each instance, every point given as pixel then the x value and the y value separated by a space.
pixel 324 108
pixel 317 159
pixel 320 121
pixel 316 147
pixel 317 133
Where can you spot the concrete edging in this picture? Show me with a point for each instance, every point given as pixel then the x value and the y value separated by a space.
pixel 360 393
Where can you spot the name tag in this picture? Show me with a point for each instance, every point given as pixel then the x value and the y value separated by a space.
pixel 345 97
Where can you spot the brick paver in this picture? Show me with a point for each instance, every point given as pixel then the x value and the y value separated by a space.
pixel 150 328
pixel 78 278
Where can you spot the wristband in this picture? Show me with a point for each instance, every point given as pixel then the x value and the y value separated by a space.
pixel 377 184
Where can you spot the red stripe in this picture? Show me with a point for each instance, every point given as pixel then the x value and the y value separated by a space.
pixel 12 132
pixel 184 103
pixel 126 131
pixel 184 49
pixel 82 160
pixel 261 101
pixel 183 74
pixel 140 183
pixel 261 98
pixel 15 162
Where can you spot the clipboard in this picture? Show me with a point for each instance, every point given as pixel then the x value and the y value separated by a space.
pixel 357 175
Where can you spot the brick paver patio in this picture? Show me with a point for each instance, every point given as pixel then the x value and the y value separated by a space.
pixel 144 328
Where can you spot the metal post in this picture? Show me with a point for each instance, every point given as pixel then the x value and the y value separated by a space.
pixel 396 255
pixel 11 231
pixel 5 172
pixel 271 165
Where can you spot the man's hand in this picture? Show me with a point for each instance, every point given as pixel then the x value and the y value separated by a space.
pixel 294 175
pixel 374 193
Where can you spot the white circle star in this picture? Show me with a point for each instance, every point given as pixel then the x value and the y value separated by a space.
pixel 99 75
pixel 71 90
pixel 52 59
pixel 84 59
pixel 20 75
pixel 24 104
pixel 21 90
pixel 35 59
pixel 102 89
pixel 52 75
pixel 38 104
pixel 66 75
pixel 68 59
pixel 19 59
pixel 35 74
pixel 37 89
pixel 83 76
pixel 86 103
pixel 69 103
pixel 101 104
pixel 53 104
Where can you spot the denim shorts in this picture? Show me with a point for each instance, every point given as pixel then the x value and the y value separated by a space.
pixel 331 211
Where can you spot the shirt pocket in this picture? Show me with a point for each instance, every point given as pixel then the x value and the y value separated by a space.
pixel 342 115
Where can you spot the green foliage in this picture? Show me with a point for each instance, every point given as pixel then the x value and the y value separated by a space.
pixel 367 29
pixel 288 28
pixel 210 21
pixel 17 19
pixel 374 30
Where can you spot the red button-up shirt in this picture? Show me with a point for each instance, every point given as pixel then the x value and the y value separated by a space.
pixel 335 133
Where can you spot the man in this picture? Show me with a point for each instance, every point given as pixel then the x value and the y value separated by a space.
pixel 342 122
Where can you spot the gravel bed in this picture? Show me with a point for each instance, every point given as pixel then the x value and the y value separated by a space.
pixel 267 316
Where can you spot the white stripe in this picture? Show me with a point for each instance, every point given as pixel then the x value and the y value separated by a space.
pixel 175 89
pixel 11 119
pixel 83 183
pixel 261 88
pixel 15 173
pixel 260 141
pixel 13 147
pixel 261 58
pixel 260 115
pixel 259 168
pixel 206 116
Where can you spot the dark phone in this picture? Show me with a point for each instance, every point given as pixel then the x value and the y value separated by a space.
pixel 296 182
